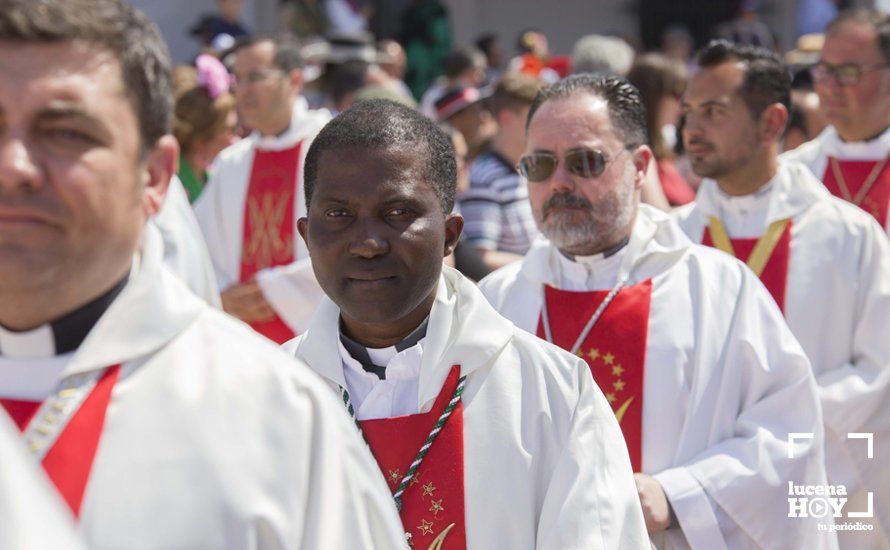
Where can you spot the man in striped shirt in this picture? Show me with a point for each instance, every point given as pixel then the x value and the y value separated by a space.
pixel 498 219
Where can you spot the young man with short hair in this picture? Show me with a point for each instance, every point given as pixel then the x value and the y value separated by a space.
pixel 825 262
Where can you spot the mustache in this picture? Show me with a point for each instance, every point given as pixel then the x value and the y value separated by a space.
pixel 561 200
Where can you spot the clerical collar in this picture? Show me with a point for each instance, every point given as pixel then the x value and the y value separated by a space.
pixel 760 193
pixel 870 139
pixel 61 336
pixel 607 253
pixel 374 360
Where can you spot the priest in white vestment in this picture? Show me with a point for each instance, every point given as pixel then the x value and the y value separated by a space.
pixel 31 514
pixel 825 262
pixel 160 421
pixel 852 80
pixel 254 195
pixel 693 355
pixel 185 252
pixel 487 436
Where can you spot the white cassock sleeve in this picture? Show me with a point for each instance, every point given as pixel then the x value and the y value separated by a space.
pixel 853 393
pixel 32 517
pixel 292 291
pixel 185 251
pixel 211 221
pixel 347 503
pixel 766 391
pixel 591 501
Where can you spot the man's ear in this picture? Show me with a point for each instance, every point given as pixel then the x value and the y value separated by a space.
pixel 160 166
pixel 296 81
pixel 772 122
pixel 302 225
pixel 454 225
pixel 642 156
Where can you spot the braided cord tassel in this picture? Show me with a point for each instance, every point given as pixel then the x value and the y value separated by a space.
pixel 455 399
pixel 346 401
pixel 434 433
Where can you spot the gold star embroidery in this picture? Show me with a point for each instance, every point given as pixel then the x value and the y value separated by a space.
pixel 619 385
pixel 395 476
pixel 593 354
pixel 414 481
pixel 426 527
pixel 436 507
pixel 428 489
pixel 617 370
pixel 608 358
pixel 611 397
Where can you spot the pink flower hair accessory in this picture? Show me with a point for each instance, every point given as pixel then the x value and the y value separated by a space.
pixel 212 75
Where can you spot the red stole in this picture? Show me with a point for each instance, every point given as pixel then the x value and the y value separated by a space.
pixel 269 223
pixel 615 349
pixel 433 504
pixel 855 173
pixel 69 461
pixel 775 272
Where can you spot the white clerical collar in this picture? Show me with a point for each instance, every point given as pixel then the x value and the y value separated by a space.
pixel 745 204
pixel 30 344
pixel 590 272
pixel 377 360
pixel 61 336
pixel 875 148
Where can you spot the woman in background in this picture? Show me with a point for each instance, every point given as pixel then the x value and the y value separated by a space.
pixel 205 119
pixel 661 81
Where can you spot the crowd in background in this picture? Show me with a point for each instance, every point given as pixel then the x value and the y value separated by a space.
pixel 480 92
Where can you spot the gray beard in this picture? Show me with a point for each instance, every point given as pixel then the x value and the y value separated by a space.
pixel 601 223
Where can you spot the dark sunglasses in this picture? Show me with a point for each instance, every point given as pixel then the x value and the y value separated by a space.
pixel 584 163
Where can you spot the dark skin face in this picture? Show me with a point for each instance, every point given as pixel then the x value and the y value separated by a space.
pixel 377 236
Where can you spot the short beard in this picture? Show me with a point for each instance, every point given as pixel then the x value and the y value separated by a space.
pixel 600 228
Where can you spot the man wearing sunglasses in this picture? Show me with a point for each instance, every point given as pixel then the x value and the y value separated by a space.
pixel 826 263
pixel 853 82
pixel 250 206
pixel 701 371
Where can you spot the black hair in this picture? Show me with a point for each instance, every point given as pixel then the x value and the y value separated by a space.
pixel 460 60
pixel 287 50
pixel 385 124
pixel 115 25
pixel 767 79
pixel 486 42
pixel 626 108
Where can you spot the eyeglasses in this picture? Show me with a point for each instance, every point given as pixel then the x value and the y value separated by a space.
pixel 845 74
pixel 255 76
pixel 584 163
